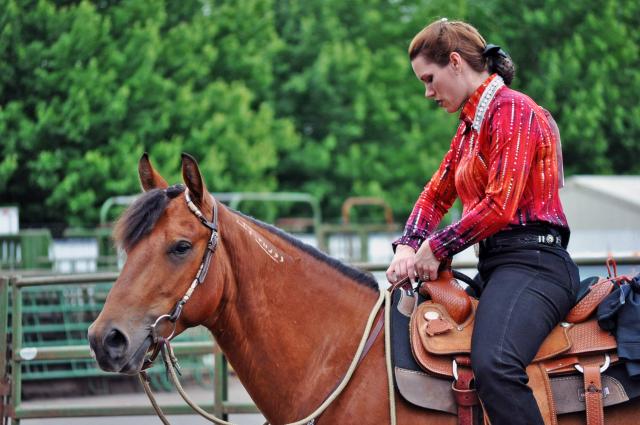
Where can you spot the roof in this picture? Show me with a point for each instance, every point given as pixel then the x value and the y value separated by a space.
pixel 622 188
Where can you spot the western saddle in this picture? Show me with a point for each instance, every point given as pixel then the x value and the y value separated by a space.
pixel 441 329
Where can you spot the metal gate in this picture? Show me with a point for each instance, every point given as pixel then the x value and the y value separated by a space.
pixel 43 323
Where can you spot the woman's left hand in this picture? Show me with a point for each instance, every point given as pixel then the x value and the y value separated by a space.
pixel 426 263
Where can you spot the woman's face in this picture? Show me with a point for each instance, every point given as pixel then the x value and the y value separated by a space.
pixel 442 84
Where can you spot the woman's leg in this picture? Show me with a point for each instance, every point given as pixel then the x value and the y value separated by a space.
pixel 527 293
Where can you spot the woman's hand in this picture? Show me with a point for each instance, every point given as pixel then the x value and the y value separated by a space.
pixel 425 263
pixel 402 264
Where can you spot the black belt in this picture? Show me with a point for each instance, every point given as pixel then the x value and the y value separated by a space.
pixel 511 238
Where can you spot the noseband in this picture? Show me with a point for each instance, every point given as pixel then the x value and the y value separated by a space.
pixel 212 244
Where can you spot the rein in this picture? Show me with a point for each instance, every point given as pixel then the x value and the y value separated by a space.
pixel 162 344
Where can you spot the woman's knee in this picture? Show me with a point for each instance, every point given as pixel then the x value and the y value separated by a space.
pixel 484 364
pixel 493 366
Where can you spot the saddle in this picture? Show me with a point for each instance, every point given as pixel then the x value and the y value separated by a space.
pixel 440 337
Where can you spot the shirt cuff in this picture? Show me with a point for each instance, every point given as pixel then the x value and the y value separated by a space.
pixel 410 240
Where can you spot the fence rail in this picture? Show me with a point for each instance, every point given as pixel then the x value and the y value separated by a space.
pixel 21 354
pixel 18 353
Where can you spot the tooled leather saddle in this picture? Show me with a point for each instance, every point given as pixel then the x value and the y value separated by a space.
pixel 576 368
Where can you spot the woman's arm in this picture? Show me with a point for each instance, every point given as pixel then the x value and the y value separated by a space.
pixel 432 204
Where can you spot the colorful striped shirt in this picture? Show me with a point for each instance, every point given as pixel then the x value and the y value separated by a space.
pixel 503 165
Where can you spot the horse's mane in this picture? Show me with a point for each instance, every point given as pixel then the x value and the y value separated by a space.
pixel 360 277
pixel 138 220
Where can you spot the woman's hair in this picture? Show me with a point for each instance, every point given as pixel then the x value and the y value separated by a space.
pixel 437 40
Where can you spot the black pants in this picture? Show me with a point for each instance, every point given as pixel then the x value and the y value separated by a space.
pixel 528 290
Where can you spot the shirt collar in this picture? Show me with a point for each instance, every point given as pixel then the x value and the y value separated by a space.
pixel 469 109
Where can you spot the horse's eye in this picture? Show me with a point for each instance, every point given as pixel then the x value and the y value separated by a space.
pixel 180 248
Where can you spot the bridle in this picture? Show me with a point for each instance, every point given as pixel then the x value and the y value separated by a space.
pixel 162 344
pixel 158 340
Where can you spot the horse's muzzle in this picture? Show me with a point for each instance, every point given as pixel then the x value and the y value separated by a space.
pixel 115 352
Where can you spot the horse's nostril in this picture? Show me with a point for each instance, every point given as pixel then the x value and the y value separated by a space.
pixel 116 343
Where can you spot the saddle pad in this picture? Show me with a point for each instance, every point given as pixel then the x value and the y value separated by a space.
pixel 430 392
pixel 403 302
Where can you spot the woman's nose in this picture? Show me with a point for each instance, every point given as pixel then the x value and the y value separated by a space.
pixel 429 92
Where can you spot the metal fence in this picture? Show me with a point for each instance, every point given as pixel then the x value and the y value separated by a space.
pixel 25 355
pixel 28 249
pixel 43 323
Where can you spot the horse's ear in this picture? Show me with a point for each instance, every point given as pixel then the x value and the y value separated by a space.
pixel 149 177
pixel 194 181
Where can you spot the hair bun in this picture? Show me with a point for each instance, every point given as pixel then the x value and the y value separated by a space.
pixel 499 62
pixel 493 50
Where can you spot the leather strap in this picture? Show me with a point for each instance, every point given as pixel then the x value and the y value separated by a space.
pixel 465 396
pixel 593 394
pixel 541 388
pixel 372 336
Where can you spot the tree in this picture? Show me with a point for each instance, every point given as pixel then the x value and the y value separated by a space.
pixel 315 96
pixel 86 88
pixel 346 80
pixel 581 61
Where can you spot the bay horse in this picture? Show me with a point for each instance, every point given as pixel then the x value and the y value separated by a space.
pixel 287 317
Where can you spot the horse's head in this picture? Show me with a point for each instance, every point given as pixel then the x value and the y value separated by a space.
pixel 165 242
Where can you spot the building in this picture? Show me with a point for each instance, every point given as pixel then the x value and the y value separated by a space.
pixel 604 214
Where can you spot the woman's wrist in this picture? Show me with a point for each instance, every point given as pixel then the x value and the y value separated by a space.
pixel 400 248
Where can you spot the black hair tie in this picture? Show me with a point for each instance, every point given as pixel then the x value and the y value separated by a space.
pixel 492 50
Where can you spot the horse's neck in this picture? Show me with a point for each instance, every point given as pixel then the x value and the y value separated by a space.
pixel 290 324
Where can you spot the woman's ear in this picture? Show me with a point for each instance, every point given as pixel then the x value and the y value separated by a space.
pixel 455 61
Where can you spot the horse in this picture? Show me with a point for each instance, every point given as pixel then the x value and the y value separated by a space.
pixel 287 317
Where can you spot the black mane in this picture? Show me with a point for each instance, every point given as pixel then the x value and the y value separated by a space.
pixel 138 220
pixel 359 276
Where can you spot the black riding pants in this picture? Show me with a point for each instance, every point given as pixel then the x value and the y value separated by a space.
pixel 528 290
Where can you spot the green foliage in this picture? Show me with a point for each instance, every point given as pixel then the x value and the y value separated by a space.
pixel 315 95
pixel 366 129
pixel 581 61
pixel 89 87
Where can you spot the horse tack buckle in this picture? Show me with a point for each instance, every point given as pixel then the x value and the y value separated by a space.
pixel 605 366
pixel 154 333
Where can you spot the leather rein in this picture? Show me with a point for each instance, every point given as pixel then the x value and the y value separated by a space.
pixel 162 344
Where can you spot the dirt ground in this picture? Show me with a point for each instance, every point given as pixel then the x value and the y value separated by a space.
pixel 196 392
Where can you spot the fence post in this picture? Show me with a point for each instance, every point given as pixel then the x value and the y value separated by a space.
pixel 34 248
pixel 16 346
pixel 5 383
pixel 221 386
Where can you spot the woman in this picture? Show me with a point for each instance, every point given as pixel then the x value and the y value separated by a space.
pixel 503 164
